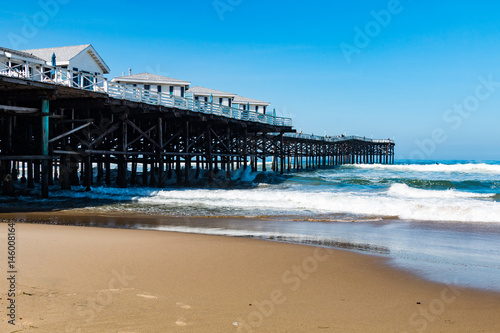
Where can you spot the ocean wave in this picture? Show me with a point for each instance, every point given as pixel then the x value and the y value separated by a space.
pixel 405 191
pixel 447 168
pixel 398 200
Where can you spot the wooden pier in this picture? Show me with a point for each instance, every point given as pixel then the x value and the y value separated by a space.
pixel 59 126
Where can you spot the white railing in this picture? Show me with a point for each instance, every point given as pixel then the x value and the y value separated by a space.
pixel 33 71
pixel 136 94
pixel 54 75
pixel 339 138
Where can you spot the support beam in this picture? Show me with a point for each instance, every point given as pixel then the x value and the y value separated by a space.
pixel 18 109
pixel 69 132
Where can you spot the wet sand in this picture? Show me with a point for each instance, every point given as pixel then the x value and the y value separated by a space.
pixel 83 279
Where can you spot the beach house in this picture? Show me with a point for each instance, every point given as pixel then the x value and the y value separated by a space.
pixel 211 96
pixel 78 65
pixel 156 83
pixel 79 58
pixel 249 104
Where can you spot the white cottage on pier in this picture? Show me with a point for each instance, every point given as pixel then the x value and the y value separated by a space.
pixel 204 94
pixel 79 58
pixel 249 104
pixel 153 82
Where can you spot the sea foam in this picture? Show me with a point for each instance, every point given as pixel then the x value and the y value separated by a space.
pixel 398 200
pixel 462 168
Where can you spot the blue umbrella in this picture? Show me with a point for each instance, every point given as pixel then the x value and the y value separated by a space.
pixel 211 98
pixel 248 106
pixel 274 112
pixel 53 72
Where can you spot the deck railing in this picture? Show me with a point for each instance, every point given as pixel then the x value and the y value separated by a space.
pixel 334 138
pixel 54 75
pixel 136 94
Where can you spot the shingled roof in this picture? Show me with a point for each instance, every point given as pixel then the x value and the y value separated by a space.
pixel 245 100
pixel 65 53
pixel 201 91
pixel 21 54
pixel 150 78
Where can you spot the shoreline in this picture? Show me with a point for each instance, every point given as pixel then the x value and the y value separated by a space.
pixel 207 283
pixel 216 226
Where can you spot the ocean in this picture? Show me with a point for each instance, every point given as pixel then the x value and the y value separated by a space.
pixel 439 220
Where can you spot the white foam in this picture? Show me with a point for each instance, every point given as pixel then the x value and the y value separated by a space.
pixel 398 200
pixel 404 191
pixel 245 175
pixel 463 168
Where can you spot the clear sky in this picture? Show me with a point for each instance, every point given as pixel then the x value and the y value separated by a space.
pixel 423 72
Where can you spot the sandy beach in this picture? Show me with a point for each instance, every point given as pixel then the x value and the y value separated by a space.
pixel 83 279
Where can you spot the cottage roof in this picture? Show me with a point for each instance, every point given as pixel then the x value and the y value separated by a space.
pixel 201 91
pixel 21 54
pixel 65 53
pixel 150 78
pixel 245 100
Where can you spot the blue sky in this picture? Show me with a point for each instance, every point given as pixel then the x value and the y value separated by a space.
pixel 417 74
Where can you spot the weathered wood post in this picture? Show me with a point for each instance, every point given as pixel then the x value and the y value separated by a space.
pixel 282 154
pixel 107 176
pixel 197 166
pixel 133 174
pixel 264 151
pixel 229 157
pixel 88 166
pixel 245 148
pixel 144 171
pixel 45 148
pixel 88 172
pixel 187 156
pixel 209 155
pixel 100 170
pixel 122 158
pixel 161 166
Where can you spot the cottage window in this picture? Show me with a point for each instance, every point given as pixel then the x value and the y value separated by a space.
pixel 159 89
pixel 147 87
pixel 171 90
pixel 220 101
pixel 76 77
pixel 182 91
pixel 88 80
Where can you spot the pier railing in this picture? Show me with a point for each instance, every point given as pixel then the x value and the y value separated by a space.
pixel 334 138
pixel 33 71
pixel 54 75
pixel 136 94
